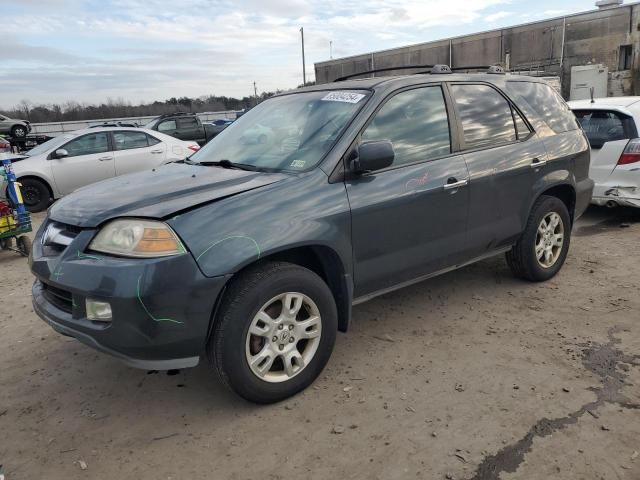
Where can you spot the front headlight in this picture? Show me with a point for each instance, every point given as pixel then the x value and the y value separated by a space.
pixel 137 238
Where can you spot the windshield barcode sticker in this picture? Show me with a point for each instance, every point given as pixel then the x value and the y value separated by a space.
pixel 346 97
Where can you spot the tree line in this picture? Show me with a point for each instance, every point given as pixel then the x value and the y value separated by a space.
pixel 119 108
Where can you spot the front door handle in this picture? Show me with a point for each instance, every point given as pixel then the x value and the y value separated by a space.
pixel 454 183
pixel 105 159
pixel 537 163
pixel 156 151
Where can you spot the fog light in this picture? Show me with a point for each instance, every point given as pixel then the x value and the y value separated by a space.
pixel 98 311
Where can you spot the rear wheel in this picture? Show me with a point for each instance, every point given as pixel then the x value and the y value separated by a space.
pixel 275 332
pixel 542 250
pixel 35 194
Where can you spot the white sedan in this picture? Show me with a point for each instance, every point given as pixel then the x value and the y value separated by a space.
pixel 611 124
pixel 73 160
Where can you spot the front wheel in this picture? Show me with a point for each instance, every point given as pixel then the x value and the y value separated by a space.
pixel 275 332
pixel 35 194
pixel 541 251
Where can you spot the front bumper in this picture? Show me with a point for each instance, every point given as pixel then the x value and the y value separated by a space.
pixel 162 308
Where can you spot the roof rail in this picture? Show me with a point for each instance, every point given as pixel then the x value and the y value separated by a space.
pixel 496 70
pixel 175 114
pixel 433 69
pixel 437 69
pixel 492 69
pixel 379 70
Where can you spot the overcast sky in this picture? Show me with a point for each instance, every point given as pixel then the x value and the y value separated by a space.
pixel 141 50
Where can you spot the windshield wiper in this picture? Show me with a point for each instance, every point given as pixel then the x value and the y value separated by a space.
pixel 224 163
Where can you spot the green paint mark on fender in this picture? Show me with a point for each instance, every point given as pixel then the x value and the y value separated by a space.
pixel 231 238
pixel 149 313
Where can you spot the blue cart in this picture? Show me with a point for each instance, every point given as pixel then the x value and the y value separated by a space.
pixel 18 223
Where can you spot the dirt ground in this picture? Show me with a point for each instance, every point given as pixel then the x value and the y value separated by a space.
pixel 473 375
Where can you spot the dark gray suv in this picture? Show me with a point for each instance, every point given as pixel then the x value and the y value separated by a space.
pixel 253 251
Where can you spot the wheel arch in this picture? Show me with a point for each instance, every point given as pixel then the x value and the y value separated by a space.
pixel 563 191
pixel 320 259
pixel 46 182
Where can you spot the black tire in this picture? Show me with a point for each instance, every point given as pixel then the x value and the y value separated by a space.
pixel 35 194
pixel 522 259
pixel 24 245
pixel 19 131
pixel 246 295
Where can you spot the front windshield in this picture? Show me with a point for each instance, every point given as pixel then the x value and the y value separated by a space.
pixel 292 132
pixel 52 144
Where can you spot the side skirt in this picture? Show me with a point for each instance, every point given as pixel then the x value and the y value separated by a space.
pixel 371 296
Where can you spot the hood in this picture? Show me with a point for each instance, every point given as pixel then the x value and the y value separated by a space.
pixel 13 157
pixel 155 194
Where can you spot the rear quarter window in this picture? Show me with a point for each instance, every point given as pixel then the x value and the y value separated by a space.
pixel 547 103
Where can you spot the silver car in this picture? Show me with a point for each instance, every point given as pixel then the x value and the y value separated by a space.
pixel 15 128
pixel 73 160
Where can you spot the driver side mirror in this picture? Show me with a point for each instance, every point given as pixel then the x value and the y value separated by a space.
pixel 60 153
pixel 374 156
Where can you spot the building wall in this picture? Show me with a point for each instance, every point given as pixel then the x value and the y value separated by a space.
pixel 552 46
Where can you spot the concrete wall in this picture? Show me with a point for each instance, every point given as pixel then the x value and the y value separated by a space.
pixel 552 46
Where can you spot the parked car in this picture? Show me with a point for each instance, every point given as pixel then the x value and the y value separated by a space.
pixel 611 124
pixel 116 123
pixel 220 124
pixel 185 126
pixel 5 145
pixel 253 255
pixel 16 128
pixel 73 160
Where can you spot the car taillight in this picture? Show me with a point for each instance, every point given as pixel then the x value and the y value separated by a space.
pixel 194 148
pixel 631 153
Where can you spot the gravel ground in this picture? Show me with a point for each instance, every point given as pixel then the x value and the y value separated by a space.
pixel 472 375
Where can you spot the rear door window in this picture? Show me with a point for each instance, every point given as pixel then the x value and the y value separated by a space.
pixel 129 140
pixel 188 122
pixel 521 127
pixel 416 122
pixel 167 126
pixel 485 116
pixel 547 103
pixel 602 126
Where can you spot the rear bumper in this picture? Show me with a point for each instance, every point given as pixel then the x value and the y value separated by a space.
pixel 161 308
pixel 584 194
pixel 613 195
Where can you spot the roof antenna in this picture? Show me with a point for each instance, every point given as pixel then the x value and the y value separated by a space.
pixel 592 91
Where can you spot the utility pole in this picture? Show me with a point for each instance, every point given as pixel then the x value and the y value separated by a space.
pixel 304 68
pixel 255 89
pixel 330 49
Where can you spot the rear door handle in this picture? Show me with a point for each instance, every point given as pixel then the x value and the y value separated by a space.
pixel 537 163
pixel 105 159
pixel 157 151
pixel 454 183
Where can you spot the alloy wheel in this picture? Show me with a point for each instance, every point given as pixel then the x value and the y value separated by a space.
pixel 283 337
pixel 549 240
